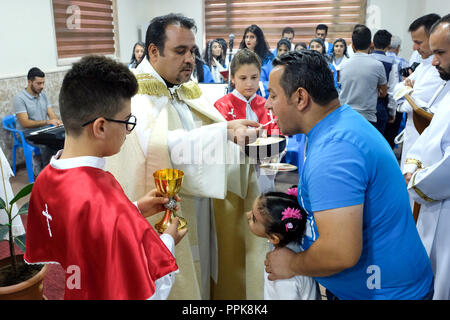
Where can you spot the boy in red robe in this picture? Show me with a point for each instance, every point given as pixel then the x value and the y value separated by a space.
pixel 243 102
pixel 79 215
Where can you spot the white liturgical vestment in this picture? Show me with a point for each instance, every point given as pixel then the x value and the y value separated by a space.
pixel 430 187
pixel 426 82
pixel 177 128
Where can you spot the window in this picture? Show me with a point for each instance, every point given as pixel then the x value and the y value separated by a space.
pixel 223 17
pixel 83 27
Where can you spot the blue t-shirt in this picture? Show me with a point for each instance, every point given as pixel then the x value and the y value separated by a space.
pixel 348 162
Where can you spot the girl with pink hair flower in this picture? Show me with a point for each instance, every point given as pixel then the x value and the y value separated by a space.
pixel 278 217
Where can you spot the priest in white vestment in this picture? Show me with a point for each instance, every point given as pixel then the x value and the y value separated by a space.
pixel 424 80
pixel 429 162
pixel 178 128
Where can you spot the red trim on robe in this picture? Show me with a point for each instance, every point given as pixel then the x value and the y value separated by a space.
pixel 230 105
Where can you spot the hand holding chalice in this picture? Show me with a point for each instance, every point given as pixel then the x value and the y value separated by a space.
pixel 168 183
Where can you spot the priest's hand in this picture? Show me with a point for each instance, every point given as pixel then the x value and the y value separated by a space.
pixel 407 177
pixel 173 231
pixel 240 133
pixel 153 202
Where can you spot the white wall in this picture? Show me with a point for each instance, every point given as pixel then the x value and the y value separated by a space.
pixel 27 37
pixel 192 9
pixel 27 34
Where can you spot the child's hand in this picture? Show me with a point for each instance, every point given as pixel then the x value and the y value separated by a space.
pixel 153 202
pixel 176 234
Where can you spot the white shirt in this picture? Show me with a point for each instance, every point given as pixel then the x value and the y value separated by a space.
pixel 295 288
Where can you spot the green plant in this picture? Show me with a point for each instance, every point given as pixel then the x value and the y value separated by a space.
pixel 7 228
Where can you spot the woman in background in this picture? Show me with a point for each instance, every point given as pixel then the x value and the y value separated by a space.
pixel 138 55
pixel 255 41
pixel 339 54
pixel 215 60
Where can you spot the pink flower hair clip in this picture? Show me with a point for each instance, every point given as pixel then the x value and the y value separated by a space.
pixel 292 191
pixel 290 213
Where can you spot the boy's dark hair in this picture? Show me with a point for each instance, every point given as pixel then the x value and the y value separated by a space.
pixel 35 72
pixel 444 19
pixel 271 205
pixel 288 30
pixel 382 39
pixel 322 27
pixel 361 37
pixel 425 21
pixel 156 31
pixel 244 56
pixel 309 70
pixel 96 86
pixel 285 42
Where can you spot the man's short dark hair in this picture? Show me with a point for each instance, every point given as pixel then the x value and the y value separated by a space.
pixel 96 86
pixel 309 70
pixel 156 31
pixel 35 72
pixel 444 19
pixel 361 37
pixel 382 39
pixel 288 30
pixel 322 27
pixel 425 21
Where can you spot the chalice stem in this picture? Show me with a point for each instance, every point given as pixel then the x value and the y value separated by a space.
pixel 167 217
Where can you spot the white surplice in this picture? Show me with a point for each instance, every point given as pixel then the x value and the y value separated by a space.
pixel 430 187
pixel 6 193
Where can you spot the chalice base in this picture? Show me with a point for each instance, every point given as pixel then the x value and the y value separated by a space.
pixel 166 221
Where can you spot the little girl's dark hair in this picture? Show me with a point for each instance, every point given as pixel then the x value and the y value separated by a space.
pixel 272 205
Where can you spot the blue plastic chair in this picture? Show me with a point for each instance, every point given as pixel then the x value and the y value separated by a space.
pixel 9 124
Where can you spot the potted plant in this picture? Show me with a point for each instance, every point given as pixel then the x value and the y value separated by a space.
pixel 18 280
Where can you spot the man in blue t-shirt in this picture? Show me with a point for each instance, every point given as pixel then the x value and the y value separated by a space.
pixel 360 241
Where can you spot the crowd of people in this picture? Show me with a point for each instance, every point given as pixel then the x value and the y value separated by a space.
pixel 348 225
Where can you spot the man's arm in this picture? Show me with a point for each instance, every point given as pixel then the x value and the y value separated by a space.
pixel 337 248
pixel 382 90
pixel 52 116
pixel 25 122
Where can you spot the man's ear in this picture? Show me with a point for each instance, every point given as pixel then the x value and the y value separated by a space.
pixel 274 239
pixel 301 99
pixel 153 51
pixel 98 128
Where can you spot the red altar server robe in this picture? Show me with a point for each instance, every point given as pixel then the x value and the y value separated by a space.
pixel 234 106
pixel 82 219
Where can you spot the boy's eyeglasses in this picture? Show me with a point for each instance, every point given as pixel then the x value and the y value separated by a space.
pixel 130 123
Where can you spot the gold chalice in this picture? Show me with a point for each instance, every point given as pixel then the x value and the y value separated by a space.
pixel 168 182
